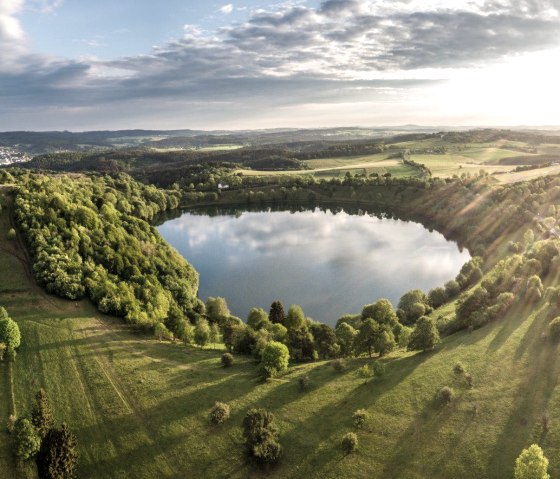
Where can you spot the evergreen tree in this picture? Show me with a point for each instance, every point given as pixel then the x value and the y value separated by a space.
pixel 277 314
pixel 42 414
pixel 58 456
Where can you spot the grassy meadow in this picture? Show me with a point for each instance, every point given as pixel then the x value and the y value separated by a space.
pixel 139 407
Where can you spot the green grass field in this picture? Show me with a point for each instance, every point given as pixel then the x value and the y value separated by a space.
pixel 139 407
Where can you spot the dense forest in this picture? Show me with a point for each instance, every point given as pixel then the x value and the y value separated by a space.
pixel 91 236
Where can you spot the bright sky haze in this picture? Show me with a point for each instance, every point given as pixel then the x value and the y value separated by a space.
pixel 83 65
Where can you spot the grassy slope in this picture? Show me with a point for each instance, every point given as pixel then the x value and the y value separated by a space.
pixel 139 407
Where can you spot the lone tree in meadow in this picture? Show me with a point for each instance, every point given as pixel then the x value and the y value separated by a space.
pixel 42 414
pixel 424 336
pixel 10 335
pixel 58 456
pixel 275 358
pixel 531 464
pixel 277 314
pixel 261 436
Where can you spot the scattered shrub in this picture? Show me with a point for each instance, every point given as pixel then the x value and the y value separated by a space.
pixel 360 418
pixel 459 368
pixel 446 395
pixel 470 380
pixel 219 413
pixel 261 436
pixel 11 234
pixel 227 360
pixel 303 382
pixel 365 372
pixel 10 423
pixel 339 365
pixel 349 443
pixel 379 369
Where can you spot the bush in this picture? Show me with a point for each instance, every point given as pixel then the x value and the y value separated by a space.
pixel 349 443
pixel 365 372
pixel 554 329
pixel 470 380
pixel 227 360
pixel 459 368
pixel 27 441
pixel 219 413
pixel 11 234
pixel 303 382
pixel 10 423
pixel 339 365
pixel 379 369
pixel 261 436
pixel 446 395
pixel 360 418
pixel 275 358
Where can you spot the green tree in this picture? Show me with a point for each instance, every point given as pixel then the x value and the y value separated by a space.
pixel 275 358
pixel 185 331
pixel 161 332
pixel 217 309
pixel 531 463
pixel 42 415
pixel 373 337
pixel 437 297
pixel 277 314
pixel 26 439
pixel 424 336
pixel 10 335
pixel 381 312
pixel 346 335
pixel 257 318
pixel 325 341
pixel 202 333
pixel 412 305
pixel 295 318
pixel 261 436
pixel 58 456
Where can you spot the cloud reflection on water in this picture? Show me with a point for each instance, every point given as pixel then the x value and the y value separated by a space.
pixel 329 263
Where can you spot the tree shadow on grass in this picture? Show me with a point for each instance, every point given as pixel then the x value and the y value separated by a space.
pixel 534 393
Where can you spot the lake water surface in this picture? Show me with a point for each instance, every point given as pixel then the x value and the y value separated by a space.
pixel 329 263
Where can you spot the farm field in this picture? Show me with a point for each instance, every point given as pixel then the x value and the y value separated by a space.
pixel 457 160
pixel 139 407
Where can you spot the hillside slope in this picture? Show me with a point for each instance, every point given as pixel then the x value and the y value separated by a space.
pixel 139 407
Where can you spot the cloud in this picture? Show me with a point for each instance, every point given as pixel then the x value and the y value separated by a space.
pixel 344 51
pixel 227 9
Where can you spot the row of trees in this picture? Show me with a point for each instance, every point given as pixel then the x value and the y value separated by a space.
pixel 36 437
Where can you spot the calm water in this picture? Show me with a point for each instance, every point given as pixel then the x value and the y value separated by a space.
pixel 330 264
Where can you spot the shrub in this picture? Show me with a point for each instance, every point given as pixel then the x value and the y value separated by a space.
pixel 303 382
pixel 379 369
pixel 469 379
pixel 360 418
pixel 365 372
pixel 349 443
pixel 10 423
pixel 26 442
pixel 219 413
pixel 11 234
pixel 459 368
pixel 446 395
pixel 339 365
pixel 554 329
pixel 227 360
pixel 261 436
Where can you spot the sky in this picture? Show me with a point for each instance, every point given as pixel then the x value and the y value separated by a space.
pixel 252 64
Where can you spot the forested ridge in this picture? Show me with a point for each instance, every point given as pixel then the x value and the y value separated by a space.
pixel 91 236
